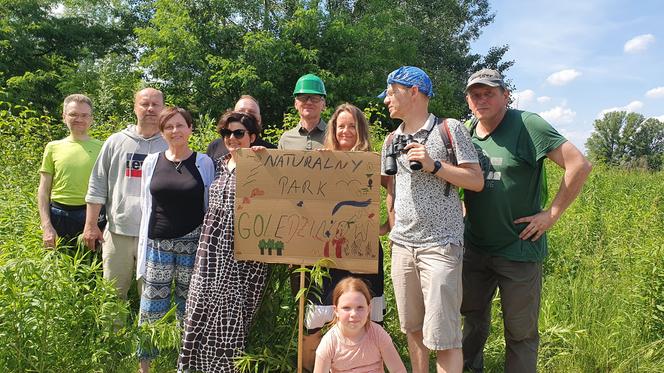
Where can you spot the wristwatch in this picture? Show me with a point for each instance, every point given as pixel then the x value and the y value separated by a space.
pixel 436 167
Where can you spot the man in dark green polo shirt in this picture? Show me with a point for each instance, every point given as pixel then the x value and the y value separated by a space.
pixel 505 233
pixel 309 133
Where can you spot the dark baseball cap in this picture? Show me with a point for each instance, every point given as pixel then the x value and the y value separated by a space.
pixel 410 76
pixel 489 77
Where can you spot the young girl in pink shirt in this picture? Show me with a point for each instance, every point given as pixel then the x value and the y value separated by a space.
pixel 354 343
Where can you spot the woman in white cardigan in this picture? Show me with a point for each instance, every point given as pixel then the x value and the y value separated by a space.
pixel 174 195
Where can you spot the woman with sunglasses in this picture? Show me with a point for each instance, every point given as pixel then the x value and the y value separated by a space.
pixel 225 293
pixel 174 194
pixel 347 130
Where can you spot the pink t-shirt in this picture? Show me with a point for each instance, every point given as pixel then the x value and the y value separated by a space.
pixel 366 356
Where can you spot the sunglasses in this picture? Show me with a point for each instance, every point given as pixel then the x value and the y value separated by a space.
pixel 238 134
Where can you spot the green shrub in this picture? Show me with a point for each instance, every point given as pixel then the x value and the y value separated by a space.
pixel 57 314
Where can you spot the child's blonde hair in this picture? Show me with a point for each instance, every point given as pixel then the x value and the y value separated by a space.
pixel 351 284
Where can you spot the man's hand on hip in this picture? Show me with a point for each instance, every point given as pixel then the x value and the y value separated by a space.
pixel 537 225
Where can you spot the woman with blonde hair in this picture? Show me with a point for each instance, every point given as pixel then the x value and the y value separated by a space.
pixel 347 130
pixel 350 133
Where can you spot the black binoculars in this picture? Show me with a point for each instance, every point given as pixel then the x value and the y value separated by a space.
pixel 397 147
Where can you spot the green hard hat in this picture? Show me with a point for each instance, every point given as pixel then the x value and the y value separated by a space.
pixel 309 84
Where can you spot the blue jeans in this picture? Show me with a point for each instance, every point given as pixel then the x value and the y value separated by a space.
pixel 69 221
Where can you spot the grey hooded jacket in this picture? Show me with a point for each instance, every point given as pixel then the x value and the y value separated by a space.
pixel 116 178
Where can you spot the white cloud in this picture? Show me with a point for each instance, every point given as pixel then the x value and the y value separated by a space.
pixel 631 107
pixel 522 99
pixel 634 106
pixel 563 77
pixel 656 92
pixel 578 138
pixel 559 115
pixel 639 43
pixel 543 99
pixel 660 118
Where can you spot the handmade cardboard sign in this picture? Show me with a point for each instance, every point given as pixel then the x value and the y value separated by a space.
pixel 300 206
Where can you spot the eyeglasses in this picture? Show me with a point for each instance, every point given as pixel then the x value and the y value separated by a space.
pixel 391 92
pixel 77 115
pixel 238 134
pixel 313 98
pixel 171 127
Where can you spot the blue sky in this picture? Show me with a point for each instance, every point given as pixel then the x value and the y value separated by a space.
pixel 576 59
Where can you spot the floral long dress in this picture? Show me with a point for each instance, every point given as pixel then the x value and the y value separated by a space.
pixel 224 294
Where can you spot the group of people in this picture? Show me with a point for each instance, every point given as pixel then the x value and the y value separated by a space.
pixel 169 213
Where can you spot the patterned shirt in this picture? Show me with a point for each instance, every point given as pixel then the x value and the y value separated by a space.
pixel 424 216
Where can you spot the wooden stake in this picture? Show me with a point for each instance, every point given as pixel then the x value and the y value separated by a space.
pixel 300 331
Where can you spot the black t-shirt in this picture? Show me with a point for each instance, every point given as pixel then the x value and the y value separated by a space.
pixel 177 198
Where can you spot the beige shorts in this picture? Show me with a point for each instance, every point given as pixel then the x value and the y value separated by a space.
pixel 428 292
pixel 119 261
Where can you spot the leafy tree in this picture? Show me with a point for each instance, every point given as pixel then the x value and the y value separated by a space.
pixel 205 54
pixel 42 43
pixel 627 140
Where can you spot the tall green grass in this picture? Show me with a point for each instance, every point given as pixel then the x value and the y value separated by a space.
pixel 602 303
pixel 603 295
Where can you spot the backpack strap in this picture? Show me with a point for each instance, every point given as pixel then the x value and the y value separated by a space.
pixel 449 147
pixel 393 178
pixel 447 140
pixel 471 124
pixel 390 137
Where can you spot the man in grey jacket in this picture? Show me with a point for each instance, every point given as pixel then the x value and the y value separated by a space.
pixel 116 182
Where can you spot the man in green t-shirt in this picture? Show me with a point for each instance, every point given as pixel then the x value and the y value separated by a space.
pixel 64 174
pixel 505 227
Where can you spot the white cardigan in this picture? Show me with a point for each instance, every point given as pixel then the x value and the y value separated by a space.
pixel 205 168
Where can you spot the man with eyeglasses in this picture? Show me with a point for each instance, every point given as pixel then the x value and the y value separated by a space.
pixel 505 230
pixel 424 212
pixel 309 133
pixel 64 174
pixel 246 104
pixel 116 183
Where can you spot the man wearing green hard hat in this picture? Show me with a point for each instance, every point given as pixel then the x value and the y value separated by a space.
pixel 309 133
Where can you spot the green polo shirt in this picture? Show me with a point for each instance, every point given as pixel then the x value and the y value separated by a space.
pixel 299 138
pixel 511 159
